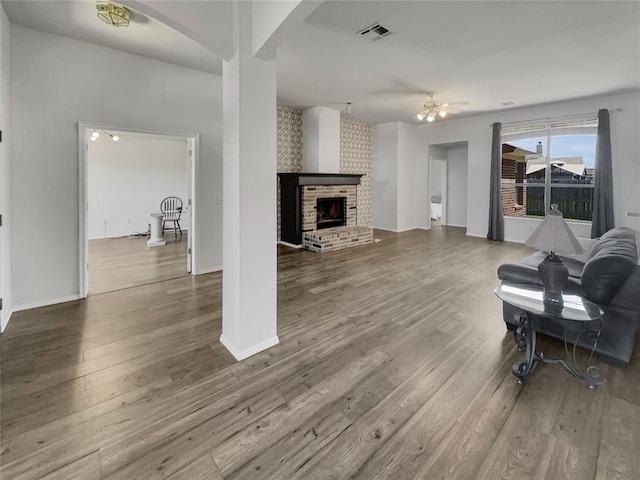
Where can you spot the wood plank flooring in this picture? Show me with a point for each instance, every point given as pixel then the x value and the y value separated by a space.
pixel 394 363
pixel 117 263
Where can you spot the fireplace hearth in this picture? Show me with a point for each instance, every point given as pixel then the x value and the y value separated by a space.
pixel 330 212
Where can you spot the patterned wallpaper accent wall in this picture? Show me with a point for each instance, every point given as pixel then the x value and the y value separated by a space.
pixel 289 145
pixel 356 155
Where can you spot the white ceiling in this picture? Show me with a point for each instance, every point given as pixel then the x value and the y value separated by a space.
pixel 485 53
pixel 144 36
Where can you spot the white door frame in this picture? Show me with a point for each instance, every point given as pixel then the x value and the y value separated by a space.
pixel 443 220
pixel 83 147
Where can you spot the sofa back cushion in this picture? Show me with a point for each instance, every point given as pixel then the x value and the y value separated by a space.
pixel 613 258
pixel 620 240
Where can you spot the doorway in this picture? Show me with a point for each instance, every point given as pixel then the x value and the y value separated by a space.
pixel 448 171
pixel 438 191
pixel 125 176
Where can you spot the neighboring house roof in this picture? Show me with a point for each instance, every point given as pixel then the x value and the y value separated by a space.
pixel 574 165
pixel 511 152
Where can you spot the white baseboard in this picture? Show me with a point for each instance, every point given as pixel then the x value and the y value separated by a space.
pixel 202 271
pixel 385 229
pixel 45 303
pixel 5 319
pixel 454 225
pixel 139 234
pixel 248 352
pixel 401 230
pixel 287 244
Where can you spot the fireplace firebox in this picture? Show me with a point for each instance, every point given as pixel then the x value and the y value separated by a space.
pixel 330 212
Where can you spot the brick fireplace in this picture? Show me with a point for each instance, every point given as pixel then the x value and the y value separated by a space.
pixel 320 211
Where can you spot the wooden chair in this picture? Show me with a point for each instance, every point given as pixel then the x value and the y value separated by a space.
pixel 171 208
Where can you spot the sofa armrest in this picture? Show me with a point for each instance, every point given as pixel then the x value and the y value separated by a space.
pixel 518 274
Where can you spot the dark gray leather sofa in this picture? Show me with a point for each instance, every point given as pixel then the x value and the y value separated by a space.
pixel 608 274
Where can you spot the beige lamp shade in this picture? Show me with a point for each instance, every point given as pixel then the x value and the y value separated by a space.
pixel 554 235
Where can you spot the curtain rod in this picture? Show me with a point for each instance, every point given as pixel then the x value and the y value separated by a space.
pixel 547 119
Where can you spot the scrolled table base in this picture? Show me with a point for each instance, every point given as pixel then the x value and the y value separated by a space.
pixel 525 338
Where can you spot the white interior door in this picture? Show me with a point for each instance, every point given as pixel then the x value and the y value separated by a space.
pixel 190 148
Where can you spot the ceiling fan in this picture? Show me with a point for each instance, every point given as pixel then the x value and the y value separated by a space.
pixel 433 109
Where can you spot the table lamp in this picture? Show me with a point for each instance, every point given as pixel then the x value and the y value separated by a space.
pixel 554 235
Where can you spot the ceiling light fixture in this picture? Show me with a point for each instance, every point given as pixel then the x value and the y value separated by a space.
pixel 113 14
pixel 433 109
pixel 96 134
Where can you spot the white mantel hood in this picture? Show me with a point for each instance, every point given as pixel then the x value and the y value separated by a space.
pixel 321 140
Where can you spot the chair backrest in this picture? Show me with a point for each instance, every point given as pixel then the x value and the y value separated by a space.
pixel 171 207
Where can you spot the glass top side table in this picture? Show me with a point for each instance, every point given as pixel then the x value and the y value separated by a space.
pixel 529 299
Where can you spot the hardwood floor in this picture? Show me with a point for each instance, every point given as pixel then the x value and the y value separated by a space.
pixel 394 363
pixel 117 263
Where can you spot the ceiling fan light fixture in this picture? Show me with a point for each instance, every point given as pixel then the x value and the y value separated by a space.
pixel 431 117
pixel 442 113
pixel 113 14
pixel 420 116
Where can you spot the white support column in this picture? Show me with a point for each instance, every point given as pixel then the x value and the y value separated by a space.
pixel 249 311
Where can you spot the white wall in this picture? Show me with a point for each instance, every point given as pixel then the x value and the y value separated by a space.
pixel 457 186
pixel 399 164
pixel 385 176
pixel 477 132
pixel 129 178
pixel 5 172
pixel 58 82
pixel 413 168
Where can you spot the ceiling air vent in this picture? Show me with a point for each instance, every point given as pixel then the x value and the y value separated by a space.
pixel 375 32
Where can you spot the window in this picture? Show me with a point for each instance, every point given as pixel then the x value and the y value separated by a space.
pixel 549 164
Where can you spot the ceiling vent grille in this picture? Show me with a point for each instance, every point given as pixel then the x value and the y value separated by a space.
pixel 374 32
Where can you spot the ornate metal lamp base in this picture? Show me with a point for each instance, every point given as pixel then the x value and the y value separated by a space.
pixel 525 337
pixel 553 275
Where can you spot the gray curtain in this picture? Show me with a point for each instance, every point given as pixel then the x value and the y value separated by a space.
pixel 602 220
pixel 496 217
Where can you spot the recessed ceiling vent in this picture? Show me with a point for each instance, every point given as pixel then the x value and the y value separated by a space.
pixel 375 32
